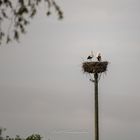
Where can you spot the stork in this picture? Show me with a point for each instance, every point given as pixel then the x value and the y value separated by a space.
pixel 90 56
pixel 99 57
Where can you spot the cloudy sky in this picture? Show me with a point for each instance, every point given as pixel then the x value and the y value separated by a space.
pixel 43 89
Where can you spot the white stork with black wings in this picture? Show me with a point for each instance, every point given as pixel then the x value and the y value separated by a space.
pixel 98 56
pixel 90 56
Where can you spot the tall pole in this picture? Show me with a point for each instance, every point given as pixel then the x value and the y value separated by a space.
pixel 95 68
pixel 96 107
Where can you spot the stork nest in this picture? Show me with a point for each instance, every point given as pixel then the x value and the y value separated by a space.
pixel 95 67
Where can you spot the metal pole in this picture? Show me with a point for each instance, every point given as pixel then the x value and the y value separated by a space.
pixel 96 107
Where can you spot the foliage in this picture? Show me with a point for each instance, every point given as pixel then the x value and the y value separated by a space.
pixel 34 137
pixel 31 137
pixel 16 138
pixel 18 14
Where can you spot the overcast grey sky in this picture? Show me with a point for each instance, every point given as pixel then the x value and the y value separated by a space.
pixel 43 89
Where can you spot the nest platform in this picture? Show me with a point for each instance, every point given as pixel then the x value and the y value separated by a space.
pixel 95 67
